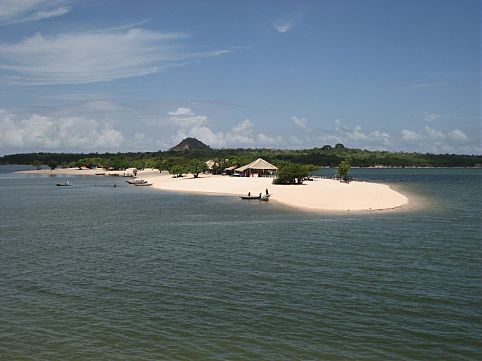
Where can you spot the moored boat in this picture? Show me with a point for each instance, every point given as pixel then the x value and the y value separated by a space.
pixel 145 183
pixel 136 181
pixel 249 196
pixel 65 184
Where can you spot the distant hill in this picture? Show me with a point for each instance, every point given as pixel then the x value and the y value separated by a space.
pixel 190 144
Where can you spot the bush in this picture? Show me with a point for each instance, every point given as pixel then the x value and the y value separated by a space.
pixel 177 170
pixel 343 169
pixel 291 173
pixel 195 167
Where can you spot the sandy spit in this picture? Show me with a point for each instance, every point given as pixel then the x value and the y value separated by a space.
pixel 316 195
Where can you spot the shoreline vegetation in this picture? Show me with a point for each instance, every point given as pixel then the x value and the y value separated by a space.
pixel 190 148
pixel 317 195
pixel 191 159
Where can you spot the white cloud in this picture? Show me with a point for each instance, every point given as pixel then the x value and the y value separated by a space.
pixel 357 137
pixel 434 134
pixel 191 125
pixel 430 116
pixel 410 135
pixel 203 133
pixel 436 141
pixel 299 122
pixel 42 133
pixel 14 11
pixel 283 25
pixel 244 128
pixel 184 117
pixel 458 136
pixel 265 139
pixel 93 56
pixel 181 112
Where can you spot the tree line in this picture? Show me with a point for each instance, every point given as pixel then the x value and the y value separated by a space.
pixel 326 156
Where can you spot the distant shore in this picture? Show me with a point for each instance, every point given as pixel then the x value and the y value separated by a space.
pixel 316 195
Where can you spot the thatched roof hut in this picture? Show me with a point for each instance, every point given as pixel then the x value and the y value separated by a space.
pixel 258 167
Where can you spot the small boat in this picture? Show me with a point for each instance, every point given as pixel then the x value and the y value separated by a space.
pixel 66 184
pixel 265 197
pixel 251 197
pixel 135 181
pixel 142 184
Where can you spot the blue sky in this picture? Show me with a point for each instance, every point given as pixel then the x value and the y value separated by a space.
pixel 119 75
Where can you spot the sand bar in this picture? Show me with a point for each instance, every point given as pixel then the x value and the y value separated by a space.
pixel 316 195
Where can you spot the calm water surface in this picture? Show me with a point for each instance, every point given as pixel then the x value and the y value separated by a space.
pixel 93 272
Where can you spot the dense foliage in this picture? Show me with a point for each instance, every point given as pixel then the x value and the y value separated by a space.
pixel 291 173
pixel 196 166
pixel 326 156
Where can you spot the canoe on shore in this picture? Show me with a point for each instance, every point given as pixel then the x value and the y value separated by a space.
pixel 250 197
pixel 142 184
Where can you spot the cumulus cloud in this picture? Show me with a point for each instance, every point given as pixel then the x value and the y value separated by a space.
pixel 240 135
pixel 189 124
pixel 458 136
pixel 360 138
pixel 93 56
pixel 45 133
pixel 14 11
pixel 433 140
pixel 269 140
pixel 299 122
pixel 410 135
pixel 437 135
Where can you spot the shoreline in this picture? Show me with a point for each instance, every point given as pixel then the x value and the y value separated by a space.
pixel 314 196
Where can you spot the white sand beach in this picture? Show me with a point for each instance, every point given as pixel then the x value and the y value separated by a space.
pixel 316 195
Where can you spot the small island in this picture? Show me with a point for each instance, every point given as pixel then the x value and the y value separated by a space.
pixel 192 166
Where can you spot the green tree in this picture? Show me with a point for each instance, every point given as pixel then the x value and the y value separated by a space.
pixel 37 164
pixel 52 164
pixel 343 168
pixel 177 170
pixel 150 163
pixel 291 173
pixel 138 164
pixel 196 166
pixel 106 163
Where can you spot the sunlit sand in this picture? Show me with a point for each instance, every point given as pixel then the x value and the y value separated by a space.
pixel 316 195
